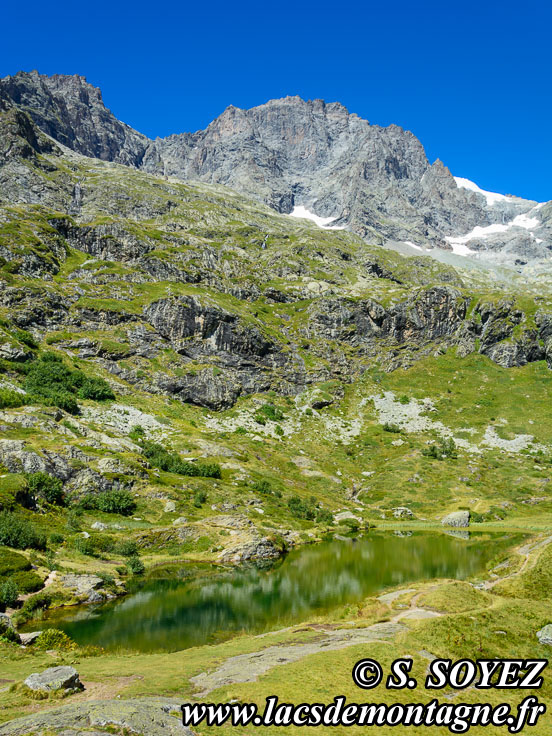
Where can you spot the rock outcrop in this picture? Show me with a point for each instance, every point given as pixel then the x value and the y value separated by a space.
pixel 55 678
pixel 456 518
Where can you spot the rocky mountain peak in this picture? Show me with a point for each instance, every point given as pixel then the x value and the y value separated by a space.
pixel 290 152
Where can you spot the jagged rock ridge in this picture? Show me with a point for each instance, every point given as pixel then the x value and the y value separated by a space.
pixel 290 152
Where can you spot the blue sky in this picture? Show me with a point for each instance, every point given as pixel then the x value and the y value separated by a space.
pixel 472 80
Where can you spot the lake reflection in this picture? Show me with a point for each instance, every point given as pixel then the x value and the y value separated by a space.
pixel 189 605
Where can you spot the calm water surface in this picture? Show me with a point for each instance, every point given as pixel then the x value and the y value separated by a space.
pixel 187 605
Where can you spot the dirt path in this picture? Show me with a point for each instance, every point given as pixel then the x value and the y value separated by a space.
pixel 526 551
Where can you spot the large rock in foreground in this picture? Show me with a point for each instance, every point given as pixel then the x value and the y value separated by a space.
pixel 55 678
pixel 457 518
pixel 545 635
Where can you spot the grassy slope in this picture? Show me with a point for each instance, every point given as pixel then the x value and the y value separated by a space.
pixel 332 453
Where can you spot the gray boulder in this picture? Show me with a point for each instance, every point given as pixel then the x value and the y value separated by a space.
pixel 29 638
pixel 55 678
pixel 402 512
pixel 545 635
pixel 5 622
pixel 81 584
pixel 457 518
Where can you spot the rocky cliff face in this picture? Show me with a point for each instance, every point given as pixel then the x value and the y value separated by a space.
pixel 291 153
pixel 196 292
pixel 71 111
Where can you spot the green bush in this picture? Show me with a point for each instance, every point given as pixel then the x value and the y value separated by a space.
pixel 7 633
pixel 271 412
pixel 25 337
pixel 10 399
pixel 116 502
pixel 35 603
pixel 171 462
pixel 96 389
pixel 94 546
pixel 135 566
pixel 9 593
pixel 353 524
pixel 324 516
pixel 136 433
pixel 262 486
pixel 199 499
pixel 49 379
pixel 54 639
pixel 11 562
pixel 445 449
pixel 127 548
pixel 45 486
pixel 17 532
pixel 110 502
pixel 56 538
pixel 302 508
pixel 27 581
pixel 391 428
pixel 84 546
pixel 73 519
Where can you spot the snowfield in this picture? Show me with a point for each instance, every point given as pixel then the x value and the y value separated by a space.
pixel 491 197
pixel 323 222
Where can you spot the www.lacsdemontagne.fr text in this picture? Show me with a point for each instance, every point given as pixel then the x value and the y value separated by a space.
pixel 458 718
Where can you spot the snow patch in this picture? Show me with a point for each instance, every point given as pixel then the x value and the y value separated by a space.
pixel 525 221
pixel 412 245
pixel 323 222
pixel 491 197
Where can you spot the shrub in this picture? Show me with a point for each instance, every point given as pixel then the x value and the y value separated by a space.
pixel 56 538
pixel 404 399
pixel 73 520
pixel 353 524
pixel 271 412
pixel 27 581
pixel 108 580
pixel 136 433
pixel 116 502
pixel 445 448
pixel 37 602
pixel 301 508
pixel 11 562
pixel 45 486
pixel 54 383
pixel 391 428
pixel 84 546
pixel 127 548
pixel 9 593
pixel 93 546
pixel 279 431
pixel 199 498
pixel 262 486
pixel 96 389
pixel 54 639
pixel 10 399
pixel 17 532
pixel 25 337
pixel 324 516
pixel 135 566
pixel 171 462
